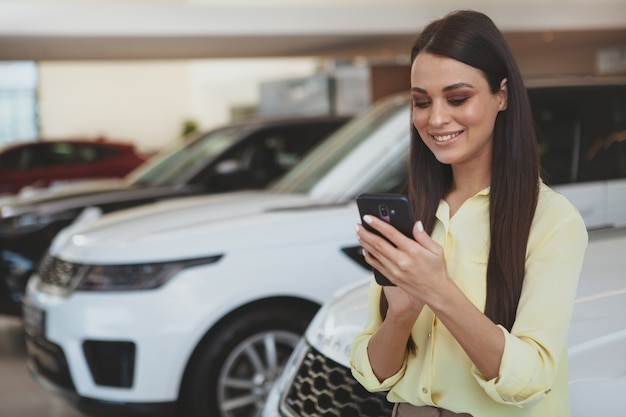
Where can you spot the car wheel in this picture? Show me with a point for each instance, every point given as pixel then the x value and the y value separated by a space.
pixel 233 369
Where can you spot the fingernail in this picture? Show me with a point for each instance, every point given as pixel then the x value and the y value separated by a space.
pixel 367 218
pixel 357 227
pixel 420 226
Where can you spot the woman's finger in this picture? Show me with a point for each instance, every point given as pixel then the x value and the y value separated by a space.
pixel 388 231
pixel 424 239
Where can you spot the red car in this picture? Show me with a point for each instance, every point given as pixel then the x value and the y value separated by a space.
pixel 42 163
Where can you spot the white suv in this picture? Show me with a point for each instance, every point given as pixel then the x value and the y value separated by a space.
pixel 195 304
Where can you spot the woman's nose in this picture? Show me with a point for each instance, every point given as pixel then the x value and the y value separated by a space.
pixel 439 115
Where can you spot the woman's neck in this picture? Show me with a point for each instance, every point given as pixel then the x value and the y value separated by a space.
pixel 466 184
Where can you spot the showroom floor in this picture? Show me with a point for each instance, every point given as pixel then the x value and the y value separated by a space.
pixel 20 395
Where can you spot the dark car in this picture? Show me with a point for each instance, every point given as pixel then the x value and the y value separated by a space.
pixel 247 155
pixel 41 163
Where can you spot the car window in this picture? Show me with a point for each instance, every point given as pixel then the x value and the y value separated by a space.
pixel 393 179
pixel 581 132
pixel 264 155
pixel 66 153
pixel 249 164
pixel 178 161
pixel 604 155
pixel 59 153
pixel 292 142
pixel 87 153
pixel 96 152
pixel 324 158
pixel 33 156
pixel 274 151
pixel 12 159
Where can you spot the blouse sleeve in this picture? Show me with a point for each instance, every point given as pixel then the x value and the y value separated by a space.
pixel 538 339
pixel 359 358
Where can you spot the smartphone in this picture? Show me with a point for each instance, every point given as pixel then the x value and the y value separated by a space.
pixel 395 209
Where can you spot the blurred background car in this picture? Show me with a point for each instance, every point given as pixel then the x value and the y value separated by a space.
pixel 42 163
pixel 244 155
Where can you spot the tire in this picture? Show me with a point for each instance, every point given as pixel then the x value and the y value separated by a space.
pixel 234 367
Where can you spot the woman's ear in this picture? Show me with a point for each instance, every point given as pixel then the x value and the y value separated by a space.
pixel 503 95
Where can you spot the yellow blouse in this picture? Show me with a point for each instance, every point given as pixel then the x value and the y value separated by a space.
pixel 533 378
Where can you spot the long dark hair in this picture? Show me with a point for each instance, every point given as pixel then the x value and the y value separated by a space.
pixel 472 38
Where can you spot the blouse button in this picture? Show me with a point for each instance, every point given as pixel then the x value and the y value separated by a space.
pixel 424 390
pixel 429 334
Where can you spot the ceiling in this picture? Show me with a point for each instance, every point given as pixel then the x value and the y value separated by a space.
pixel 54 30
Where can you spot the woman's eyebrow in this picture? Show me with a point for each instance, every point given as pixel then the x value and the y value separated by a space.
pixel 457 85
pixel 418 90
pixel 447 88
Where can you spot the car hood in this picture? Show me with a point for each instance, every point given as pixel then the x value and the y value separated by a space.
pixel 597 337
pixel 194 227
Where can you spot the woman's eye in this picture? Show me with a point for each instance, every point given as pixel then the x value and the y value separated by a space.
pixel 421 103
pixel 457 101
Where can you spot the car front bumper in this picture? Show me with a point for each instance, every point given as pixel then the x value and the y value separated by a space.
pixel 128 350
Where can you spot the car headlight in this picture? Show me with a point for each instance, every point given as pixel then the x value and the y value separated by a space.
pixel 59 277
pixel 135 277
pixel 339 321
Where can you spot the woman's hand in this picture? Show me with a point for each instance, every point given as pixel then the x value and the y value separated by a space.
pixel 416 266
pixel 387 347
pixel 419 270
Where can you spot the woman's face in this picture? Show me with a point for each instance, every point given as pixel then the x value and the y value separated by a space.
pixel 454 110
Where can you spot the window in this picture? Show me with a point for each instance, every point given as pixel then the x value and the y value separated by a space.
pixel 12 159
pixel 604 157
pixel 18 102
pixel 581 132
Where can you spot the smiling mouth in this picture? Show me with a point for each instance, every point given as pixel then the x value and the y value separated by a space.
pixel 445 138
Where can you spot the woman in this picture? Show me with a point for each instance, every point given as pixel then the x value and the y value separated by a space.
pixel 477 321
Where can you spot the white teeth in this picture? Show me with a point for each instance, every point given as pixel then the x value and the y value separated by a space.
pixel 446 137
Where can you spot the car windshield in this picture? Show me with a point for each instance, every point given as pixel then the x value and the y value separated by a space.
pixel 174 163
pixel 316 167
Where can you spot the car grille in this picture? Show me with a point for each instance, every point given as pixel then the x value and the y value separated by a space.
pixel 324 388
pixel 53 271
